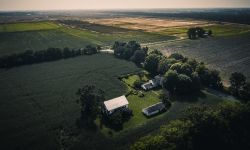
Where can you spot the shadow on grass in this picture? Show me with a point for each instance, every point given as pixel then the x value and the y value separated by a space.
pixel 83 124
pixel 154 115
pixel 116 120
pixel 192 97
pixel 116 127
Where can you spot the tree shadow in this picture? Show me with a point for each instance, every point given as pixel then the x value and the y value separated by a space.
pixel 115 121
pixel 191 97
pixel 83 124
pixel 159 113
pixel 105 121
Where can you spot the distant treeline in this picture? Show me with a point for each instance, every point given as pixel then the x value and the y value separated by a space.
pixel 240 15
pixel 51 54
pixel 198 32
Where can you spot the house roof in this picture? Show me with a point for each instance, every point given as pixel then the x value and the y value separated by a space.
pixel 116 103
pixel 148 84
pixel 152 108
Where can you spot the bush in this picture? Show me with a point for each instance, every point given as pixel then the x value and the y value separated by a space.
pixel 137 84
pixel 117 119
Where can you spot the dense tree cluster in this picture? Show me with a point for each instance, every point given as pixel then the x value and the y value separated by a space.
pixel 198 32
pixel 116 120
pixel 51 54
pixel 130 51
pixel 90 99
pixel 224 127
pixel 239 87
pixel 182 75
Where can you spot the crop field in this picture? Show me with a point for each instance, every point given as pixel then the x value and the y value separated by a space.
pixel 147 24
pixel 227 54
pixel 21 27
pixel 38 36
pixel 93 27
pixel 38 100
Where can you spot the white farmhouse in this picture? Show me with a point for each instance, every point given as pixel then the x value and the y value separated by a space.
pixel 114 104
pixel 157 81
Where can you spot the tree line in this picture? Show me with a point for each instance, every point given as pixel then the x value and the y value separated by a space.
pixel 198 32
pixel 130 51
pixel 50 54
pixel 181 75
pixel 239 86
pixel 226 126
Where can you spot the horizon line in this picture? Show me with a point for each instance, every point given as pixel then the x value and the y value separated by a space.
pixel 103 9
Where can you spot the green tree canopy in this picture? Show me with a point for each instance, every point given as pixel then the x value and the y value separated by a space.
pixel 139 56
pixel 237 81
pixel 90 100
pixel 151 63
pixel 170 81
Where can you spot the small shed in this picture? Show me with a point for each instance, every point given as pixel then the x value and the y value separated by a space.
pixel 112 105
pixel 153 109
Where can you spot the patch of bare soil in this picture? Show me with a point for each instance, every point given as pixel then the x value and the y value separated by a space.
pixel 148 24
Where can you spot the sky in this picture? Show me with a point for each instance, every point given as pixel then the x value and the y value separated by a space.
pixel 117 4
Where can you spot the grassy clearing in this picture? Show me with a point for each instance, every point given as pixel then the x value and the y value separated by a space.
pixel 139 122
pixel 131 79
pixel 30 26
pixel 136 104
pixel 37 100
pixel 219 30
pixel 176 111
pixel 229 29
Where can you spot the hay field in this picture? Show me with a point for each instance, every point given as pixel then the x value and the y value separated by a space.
pixel 148 24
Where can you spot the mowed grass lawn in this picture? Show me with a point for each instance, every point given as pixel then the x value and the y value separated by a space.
pixel 38 100
pixel 19 37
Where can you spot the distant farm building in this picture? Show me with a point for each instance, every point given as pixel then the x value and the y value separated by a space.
pixel 154 109
pixel 157 81
pixel 112 105
pixel 109 51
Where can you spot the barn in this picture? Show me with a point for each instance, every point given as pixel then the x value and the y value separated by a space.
pixel 112 105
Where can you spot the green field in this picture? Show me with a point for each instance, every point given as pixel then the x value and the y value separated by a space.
pixel 37 100
pixel 219 30
pixel 227 50
pixel 28 26
pixel 38 36
pixel 226 54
